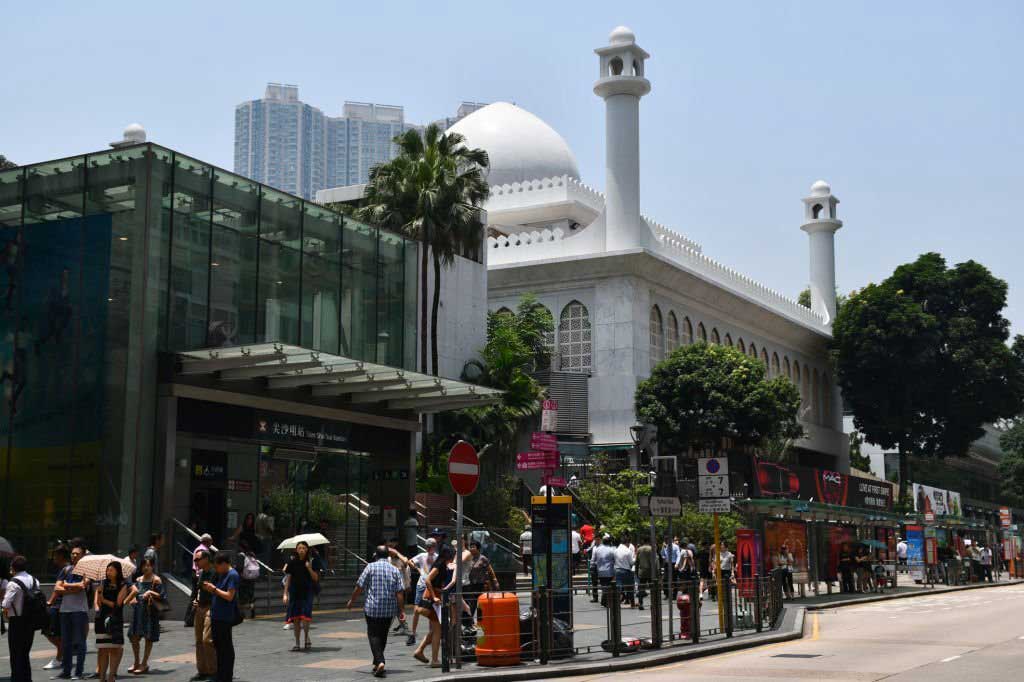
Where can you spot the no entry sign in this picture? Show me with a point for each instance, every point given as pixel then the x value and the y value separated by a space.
pixel 463 468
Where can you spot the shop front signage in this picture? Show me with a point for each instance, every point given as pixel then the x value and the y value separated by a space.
pixel 1005 518
pixel 239 485
pixel 790 481
pixel 937 501
pixel 286 428
pixel 209 465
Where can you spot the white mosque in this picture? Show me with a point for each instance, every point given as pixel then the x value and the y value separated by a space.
pixel 625 290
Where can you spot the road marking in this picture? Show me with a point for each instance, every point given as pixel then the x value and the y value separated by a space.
pixel 814 629
pixel 947 660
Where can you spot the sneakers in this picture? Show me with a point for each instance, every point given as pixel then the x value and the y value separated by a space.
pixel 53 665
pixel 287 626
pixel 410 640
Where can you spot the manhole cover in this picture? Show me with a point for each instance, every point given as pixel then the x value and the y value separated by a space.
pixel 796 656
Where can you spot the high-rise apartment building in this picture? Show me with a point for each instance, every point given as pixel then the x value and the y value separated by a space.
pixel 295 147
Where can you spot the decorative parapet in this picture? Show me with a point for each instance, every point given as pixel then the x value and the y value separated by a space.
pixel 667 236
pixel 562 187
pixel 532 238
pixel 731 279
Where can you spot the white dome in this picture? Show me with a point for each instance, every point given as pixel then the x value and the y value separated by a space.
pixel 134 133
pixel 821 189
pixel 521 147
pixel 621 35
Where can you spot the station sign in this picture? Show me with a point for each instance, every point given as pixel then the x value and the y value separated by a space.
pixel 543 441
pixel 526 461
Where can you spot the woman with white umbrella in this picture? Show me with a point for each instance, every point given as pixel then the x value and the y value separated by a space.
pixel 301 579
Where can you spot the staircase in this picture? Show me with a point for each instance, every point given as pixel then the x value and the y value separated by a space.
pixel 334 593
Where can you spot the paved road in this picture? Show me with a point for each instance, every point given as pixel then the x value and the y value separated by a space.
pixel 971 635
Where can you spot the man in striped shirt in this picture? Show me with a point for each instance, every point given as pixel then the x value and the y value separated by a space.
pixel 385 598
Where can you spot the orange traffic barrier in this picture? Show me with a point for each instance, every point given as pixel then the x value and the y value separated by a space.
pixel 499 619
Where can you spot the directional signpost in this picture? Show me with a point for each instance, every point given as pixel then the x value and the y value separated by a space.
pixel 549 415
pixel 713 485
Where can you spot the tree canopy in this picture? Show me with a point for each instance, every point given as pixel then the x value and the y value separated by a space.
pixel 1011 467
pixel 922 358
pixel 702 394
pixel 6 163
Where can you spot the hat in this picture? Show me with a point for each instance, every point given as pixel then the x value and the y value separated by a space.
pixel 431 542
pixel 439 533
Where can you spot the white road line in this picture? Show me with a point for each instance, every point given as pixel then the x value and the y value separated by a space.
pixel 947 660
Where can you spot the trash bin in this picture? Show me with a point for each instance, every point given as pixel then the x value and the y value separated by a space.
pixel 499 618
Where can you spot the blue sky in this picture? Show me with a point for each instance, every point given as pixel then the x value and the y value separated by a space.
pixel 913 111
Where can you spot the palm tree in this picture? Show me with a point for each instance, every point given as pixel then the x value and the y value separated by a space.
pixel 432 191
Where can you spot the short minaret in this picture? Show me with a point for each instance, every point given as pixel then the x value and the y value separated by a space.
pixel 622 84
pixel 820 224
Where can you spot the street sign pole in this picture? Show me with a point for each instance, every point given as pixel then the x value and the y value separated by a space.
pixel 456 621
pixel 655 588
pixel 717 558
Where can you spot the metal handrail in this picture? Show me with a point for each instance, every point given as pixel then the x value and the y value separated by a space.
pixel 198 538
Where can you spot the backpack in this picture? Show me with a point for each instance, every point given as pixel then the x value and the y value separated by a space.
pixel 33 606
pixel 250 568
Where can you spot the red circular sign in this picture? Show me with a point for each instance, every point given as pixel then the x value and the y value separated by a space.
pixel 463 468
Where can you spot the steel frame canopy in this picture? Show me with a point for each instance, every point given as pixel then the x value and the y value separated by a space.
pixel 285 367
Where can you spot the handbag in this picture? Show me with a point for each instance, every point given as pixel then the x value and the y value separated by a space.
pixel 190 615
pixel 239 617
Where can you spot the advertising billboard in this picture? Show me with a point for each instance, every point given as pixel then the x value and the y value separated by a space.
pixel 793 534
pixel 929 500
pixel 790 481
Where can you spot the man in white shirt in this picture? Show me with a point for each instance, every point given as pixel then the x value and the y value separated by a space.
pixel 986 563
pixel 575 545
pixel 901 555
pixel 623 562
pixel 21 634
pixel 526 549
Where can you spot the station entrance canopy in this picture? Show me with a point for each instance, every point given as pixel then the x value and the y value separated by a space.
pixel 355 383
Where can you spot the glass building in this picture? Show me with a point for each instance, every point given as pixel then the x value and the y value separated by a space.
pixel 182 346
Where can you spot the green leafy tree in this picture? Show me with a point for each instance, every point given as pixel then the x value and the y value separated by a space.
pixel 922 358
pixel 5 163
pixel 858 460
pixel 1011 466
pixel 804 298
pixel 702 394
pixel 613 500
pixel 433 191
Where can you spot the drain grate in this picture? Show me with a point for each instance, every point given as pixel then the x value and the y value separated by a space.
pixel 796 656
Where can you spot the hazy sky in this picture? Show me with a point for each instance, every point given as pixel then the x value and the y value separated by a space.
pixel 913 111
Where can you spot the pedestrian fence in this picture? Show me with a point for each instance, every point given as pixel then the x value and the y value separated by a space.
pixel 543 625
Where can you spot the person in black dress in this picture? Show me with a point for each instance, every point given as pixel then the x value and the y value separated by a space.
pixel 301 578
pixel 429 606
pixel 109 625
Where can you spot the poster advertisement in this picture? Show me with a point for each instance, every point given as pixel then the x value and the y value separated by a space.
pixel 748 561
pixel 838 538
pixel 821 485
pixel 915 552
pixel 936 501
pixel 793 534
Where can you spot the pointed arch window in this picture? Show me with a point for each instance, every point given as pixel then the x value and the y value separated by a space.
pixel 702 334
pixel 671 333
pixel 715 338
pixel 786 368
pixel 764 358
pixel 742 346
pixel 728 340
pixel 503 311
pixel 776 368
pixel 687 331
pixel 574 338
pixel 657 337
pixel 753 350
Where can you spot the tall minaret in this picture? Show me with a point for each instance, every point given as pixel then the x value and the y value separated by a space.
pixel 622 84
pixel 820 224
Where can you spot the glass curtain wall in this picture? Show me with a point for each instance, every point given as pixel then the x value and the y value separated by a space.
pixel 112 256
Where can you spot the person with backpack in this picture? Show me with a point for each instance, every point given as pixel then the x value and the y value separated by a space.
pixel 24 607
pixel 249 573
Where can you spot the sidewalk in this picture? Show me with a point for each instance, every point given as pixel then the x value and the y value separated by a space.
pixel 341 652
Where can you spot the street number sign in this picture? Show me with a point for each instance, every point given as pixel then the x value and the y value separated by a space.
pixel 713 486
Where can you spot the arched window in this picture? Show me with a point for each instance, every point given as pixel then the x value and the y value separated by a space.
pixel 702 334
pixel 816 211
pixel 503 311
pixel 671 333
pixel 616 66
pixel 786 368
pixel 687 331
pixel 657 337
pixel 715 338
pixel 816 399
pixel 764 358
pixel 574 338
pixel 753 350
pixel 728 340
pixel 742 346
pixel 776 368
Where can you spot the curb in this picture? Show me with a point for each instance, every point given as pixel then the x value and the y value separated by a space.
pixel 924 592
pixel 791 628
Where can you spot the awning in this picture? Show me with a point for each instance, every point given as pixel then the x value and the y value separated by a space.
pixel 288 367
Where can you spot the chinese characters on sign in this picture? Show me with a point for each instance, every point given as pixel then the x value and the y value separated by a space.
pixel 536 460
pixel 549 415
pixel 291 429
pixel 713 485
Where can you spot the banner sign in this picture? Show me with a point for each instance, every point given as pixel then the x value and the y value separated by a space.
pixel 795 482
pixel 936 501
pixel 543 441
pixel 1005 518
pixel 536 460
pixel 915 551
pixel 792 534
